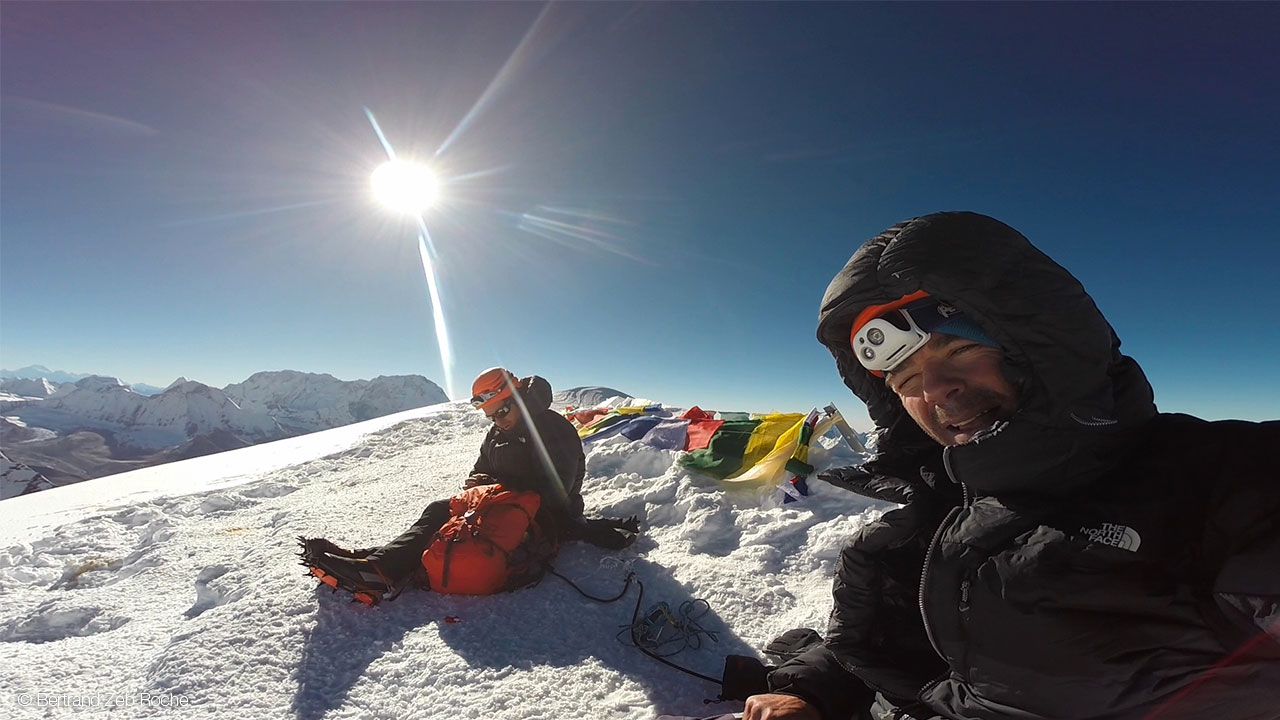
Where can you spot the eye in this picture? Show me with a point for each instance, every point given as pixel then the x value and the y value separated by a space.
pixel 962 348
pixel 899 384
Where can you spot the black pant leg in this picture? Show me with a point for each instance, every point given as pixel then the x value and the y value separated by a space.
pixel 401 557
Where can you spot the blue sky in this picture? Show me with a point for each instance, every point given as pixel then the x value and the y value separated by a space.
pixel 184 186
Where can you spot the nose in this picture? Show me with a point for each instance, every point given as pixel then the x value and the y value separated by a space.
pixel 939 381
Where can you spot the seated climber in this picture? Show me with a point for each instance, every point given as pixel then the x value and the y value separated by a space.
pixel 531 459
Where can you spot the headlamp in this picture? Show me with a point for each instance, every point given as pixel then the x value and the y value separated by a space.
pixel 484 397
pixel 884 342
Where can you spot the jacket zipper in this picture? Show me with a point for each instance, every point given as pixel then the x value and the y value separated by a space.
pixel 924 573
pixel 946 465
pixel 853 670
pixel 929 686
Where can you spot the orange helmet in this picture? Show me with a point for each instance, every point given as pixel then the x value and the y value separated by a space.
pixel 491 388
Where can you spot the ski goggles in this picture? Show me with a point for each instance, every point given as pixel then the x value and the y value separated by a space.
pixel 500 412
pixel 885 335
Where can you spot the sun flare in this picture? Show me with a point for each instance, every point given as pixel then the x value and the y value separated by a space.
pixel 405 186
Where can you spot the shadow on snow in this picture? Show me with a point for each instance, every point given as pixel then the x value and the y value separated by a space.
pixel 498 632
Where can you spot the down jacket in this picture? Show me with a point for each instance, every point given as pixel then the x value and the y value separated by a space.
pixel 515 458
pixel 1102 562
pixel 875 640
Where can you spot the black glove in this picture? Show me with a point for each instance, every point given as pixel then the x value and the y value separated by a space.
pixel 610 533
pixel 479 479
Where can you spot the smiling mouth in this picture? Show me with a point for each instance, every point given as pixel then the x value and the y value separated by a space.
pixel 981 421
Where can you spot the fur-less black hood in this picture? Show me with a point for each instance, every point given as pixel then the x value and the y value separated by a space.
pixel 1078 392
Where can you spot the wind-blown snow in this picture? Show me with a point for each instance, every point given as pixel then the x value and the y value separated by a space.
pixel 128 588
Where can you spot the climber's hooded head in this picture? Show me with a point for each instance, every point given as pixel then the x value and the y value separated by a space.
pixel 956 322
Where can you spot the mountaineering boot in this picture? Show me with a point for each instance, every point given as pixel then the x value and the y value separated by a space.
pixel 342 571
pixel 326 546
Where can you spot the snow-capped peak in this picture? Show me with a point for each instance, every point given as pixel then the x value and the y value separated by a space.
pixel 590 396
pixel 304 402
pixel 23 387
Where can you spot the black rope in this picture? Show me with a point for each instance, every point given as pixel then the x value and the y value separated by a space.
pixel 634 615
pixel 630 576
pixel 686 633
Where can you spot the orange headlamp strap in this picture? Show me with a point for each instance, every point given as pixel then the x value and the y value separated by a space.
pixel 870 313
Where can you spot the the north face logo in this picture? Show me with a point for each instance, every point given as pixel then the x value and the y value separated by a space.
pixel 1121 536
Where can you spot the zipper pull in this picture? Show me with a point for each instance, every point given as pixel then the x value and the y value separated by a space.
pixel 964 595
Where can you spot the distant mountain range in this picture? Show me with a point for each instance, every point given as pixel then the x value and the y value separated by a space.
pixel 57 377
pixel 68 431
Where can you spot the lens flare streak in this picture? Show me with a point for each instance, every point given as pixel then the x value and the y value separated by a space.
pixel 563 232
pixel 437 308
pixel 427 251
pixel 548 465
pixel 386 144
pixel 505 74
pixel 251 213
pixel 479 174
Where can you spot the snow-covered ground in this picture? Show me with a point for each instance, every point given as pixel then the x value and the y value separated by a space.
pixel 174 590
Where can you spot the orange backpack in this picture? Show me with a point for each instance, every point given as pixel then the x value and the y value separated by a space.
pixel 472 553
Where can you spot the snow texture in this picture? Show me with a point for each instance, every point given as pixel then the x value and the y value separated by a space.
pixel 124 590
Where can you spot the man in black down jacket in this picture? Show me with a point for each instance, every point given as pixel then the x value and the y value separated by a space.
pixel 529 447
pixel 1063 550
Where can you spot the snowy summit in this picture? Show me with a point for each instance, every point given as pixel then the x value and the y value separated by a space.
pixel 128 590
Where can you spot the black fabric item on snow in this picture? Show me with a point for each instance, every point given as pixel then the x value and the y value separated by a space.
pixel 607 533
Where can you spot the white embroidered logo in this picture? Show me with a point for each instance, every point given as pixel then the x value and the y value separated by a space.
pixel 946 310
pixel 1121 536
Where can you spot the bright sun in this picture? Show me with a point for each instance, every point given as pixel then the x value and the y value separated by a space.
pixel 404 186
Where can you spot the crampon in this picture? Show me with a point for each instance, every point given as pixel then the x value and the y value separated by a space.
pixel 347 570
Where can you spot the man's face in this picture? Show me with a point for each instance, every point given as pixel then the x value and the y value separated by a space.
pixel 506 417
pixel 954 387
